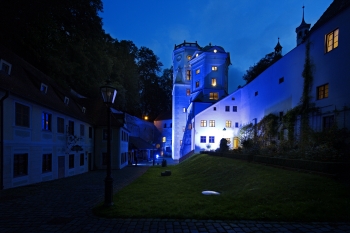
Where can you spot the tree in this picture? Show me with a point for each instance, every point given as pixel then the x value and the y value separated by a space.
pixel 261 66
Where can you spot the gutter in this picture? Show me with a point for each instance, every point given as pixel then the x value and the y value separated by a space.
pixel 2 140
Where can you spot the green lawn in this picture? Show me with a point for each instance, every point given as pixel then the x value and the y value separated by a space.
pixel 248 191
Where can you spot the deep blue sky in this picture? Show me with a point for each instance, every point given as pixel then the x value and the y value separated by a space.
pixel 248 29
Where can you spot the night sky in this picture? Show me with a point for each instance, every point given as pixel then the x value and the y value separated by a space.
pixel 248 29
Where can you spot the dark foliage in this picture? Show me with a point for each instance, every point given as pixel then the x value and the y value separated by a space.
pixel 261 66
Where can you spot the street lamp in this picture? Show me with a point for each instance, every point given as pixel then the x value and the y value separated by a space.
pixel 108 94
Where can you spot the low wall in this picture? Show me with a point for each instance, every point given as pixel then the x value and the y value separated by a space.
pixel 327 168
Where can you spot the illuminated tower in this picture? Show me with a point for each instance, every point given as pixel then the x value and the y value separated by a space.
pixel 302 30
pixel 200 80
pixel 181 92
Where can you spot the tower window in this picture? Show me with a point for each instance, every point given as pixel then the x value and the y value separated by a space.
pixel 188 91
pixel 189 57
pixel 214 68
pixel 213 82
pixel 322 92
pixel 197 83
pixel 213 96
pixel 281 80
pixel 188 74
pixel 256 93
pixel 332 40
pixel 212 123
pixel 198 71
pixel 184 109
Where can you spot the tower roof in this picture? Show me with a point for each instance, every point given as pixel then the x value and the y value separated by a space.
pixel 278 47
pixel 303 24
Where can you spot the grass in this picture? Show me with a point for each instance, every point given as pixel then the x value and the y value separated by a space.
pixel 248 191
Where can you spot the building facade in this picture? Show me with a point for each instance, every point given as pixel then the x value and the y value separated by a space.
pixel 278 89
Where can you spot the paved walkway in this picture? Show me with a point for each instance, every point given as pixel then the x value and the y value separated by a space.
pixel 65 206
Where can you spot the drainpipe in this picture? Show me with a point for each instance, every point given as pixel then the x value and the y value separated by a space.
pixel 2 140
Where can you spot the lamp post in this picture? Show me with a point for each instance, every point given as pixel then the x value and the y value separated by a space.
pixel 108 94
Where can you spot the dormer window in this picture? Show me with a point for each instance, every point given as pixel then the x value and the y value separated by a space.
pixel 83 109
pixel 66 100
pixel 43 88
pixel 5 66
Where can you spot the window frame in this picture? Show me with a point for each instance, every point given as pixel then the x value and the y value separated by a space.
pixel 325 91
pixel 203 139
pixel 203 123
pixel 20 164
pixel 47 163
pixel 22 115
pixel 60 125
pixel 234 108
pixel 228 124
pixel 188 75
pixel 214 95
pixel 46 121
pixel 211 123
pixel 333 43
pixel 71 161
pixel 213 82
pixel 211 139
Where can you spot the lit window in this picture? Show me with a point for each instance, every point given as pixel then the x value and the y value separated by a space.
pixel 188 74
pixel 213 82
pixel 215 51
pixel 22 115
pixel 198 71
pixel 188 57
pixel 164 139
pixel 211 139
pixel 213 95
pixel 214 68
pixel 188 91
pixel 5 66
pixel 184 109
pixel 43 88
pixel 234 108
pixel 197 84
pixel 203 139
pixel 228 124
pixel 197 55
pixel 328 122
pixel 322 92
pixel 212 123
pixel 227 108
pixel 46 121
pixel 203 123
pixel 332 40
pixel 281 80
